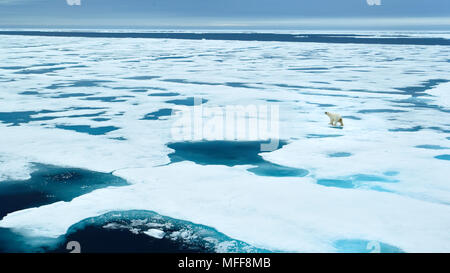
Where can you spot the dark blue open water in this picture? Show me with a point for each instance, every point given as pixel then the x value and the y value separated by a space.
pixel 311 38
pixel 232 153
pixel 49 184
pixel 125 232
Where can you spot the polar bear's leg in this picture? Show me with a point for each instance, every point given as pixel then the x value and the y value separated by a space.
pixel 341 122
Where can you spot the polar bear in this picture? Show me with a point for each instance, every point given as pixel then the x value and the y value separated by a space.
pixel 334 119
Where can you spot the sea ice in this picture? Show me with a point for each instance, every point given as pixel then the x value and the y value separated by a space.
pixel 393 99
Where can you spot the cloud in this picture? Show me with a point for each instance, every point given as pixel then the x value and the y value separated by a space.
pixel 18 2
pixel 374 2
pixel 13 2
pixel 74 2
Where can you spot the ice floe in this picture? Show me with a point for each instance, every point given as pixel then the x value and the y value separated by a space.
pixel 380 178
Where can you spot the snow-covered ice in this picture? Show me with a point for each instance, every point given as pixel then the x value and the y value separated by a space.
pixel 82 102
pixel 156 233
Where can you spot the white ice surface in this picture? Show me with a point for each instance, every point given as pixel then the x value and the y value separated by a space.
pixel 294 214
pixel 285 214
pixel 441 95
pixel 155 233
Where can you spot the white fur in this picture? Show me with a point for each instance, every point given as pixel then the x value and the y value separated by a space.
pixel 335 118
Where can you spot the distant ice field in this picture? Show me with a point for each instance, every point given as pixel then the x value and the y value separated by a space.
pixel 361 38
pixel 105 105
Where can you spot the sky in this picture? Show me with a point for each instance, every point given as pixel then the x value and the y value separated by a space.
pixel 228 13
